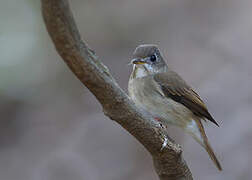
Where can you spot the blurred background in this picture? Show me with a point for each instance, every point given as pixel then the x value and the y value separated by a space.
pixel 51 126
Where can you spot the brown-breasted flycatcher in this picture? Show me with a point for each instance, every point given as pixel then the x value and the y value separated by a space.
pixel 154 87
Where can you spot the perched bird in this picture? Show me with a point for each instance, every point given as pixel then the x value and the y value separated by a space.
pixel 154 87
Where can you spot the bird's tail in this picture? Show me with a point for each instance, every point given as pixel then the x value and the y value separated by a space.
pixel 202 139
pixel 210 151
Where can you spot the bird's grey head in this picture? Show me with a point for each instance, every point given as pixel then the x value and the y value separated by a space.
pixel 147 60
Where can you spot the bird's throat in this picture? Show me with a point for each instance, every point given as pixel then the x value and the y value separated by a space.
pixel 139 72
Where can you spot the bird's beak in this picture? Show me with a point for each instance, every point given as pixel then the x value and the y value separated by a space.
pixel 138 61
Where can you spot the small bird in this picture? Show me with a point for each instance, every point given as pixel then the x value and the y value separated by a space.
pixel 154 87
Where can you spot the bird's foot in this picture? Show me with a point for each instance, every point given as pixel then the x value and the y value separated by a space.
pixel 165 142
pixel 160 123
pixel 165 139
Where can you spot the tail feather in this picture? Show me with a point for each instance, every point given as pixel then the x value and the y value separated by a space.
pixel 200 136
pixel 210 151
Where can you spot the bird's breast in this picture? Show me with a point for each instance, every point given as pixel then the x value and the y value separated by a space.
pixel 146 94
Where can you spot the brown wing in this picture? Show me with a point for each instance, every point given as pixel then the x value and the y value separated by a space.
pixel 175 87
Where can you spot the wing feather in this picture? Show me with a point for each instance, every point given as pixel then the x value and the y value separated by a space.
pixel 174 87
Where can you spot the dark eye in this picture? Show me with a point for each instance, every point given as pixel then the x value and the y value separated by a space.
pixel 153 58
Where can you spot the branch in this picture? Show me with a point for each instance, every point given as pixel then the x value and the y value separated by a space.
pixel 83 62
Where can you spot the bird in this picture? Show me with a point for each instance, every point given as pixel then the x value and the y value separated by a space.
pixel 157 89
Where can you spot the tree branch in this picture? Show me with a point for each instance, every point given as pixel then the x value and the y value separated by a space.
pixel 83 62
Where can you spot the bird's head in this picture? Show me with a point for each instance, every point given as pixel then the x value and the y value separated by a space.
pixel 148 60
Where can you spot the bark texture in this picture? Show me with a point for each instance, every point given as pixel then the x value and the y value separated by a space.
pixel 169 163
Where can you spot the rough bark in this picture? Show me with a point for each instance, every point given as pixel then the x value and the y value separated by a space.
pixel 83 62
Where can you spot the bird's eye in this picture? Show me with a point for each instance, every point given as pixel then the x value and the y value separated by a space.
pixel 153 58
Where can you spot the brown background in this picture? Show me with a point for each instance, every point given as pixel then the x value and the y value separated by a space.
pixel 52 128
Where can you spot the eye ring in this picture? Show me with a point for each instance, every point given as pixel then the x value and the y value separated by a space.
pixel 153 58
